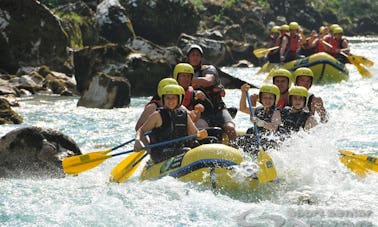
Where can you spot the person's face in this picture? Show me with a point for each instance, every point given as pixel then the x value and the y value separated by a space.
pixel 304 81
pixel 267 99
pixel 184 80
pixel 338 35
pixel 282 83
pixel 194 57
pixel 171 101
pixel 297 102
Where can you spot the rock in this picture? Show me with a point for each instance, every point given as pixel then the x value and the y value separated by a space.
pixel 162 21
pixel 156 52
pixel 117 60
pixel 106 92
pixel 7 114
pixel 34 152
pixel 113 22
pixel 31 35
pixel 78 21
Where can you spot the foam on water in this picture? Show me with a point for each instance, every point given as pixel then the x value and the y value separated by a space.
pixel 314 187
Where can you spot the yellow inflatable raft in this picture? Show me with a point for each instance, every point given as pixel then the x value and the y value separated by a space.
pixel 326 68
pixel 212 164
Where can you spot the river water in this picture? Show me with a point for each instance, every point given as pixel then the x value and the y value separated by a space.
pixel 315 188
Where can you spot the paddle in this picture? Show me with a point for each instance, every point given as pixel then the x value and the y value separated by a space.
pixel 354 60
pixel 129 165
pixel 359 163
pixel 259 53
pixel 267 171
pixel 80 163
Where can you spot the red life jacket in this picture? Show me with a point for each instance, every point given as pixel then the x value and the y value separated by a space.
pixel 293 43
pixel 189 98
pixel 319 46
pixel 331 40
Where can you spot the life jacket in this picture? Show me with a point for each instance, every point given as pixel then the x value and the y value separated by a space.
pixel 293 121
pixel 319 46
pixel 263 115
pixel 215 92
pixel 174 125
pixel 293 43
pixel 189 98
pixel 155 100
pixel 282 102
pixel 331 40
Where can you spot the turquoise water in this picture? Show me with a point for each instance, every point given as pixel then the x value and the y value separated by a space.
pixel 314 187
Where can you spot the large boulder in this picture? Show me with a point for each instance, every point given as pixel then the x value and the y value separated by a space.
pixel 35 152
pixel 141 70
pixel 113 22
pixel 31 35
pixel 162 21
pixel 78 21
pixel 106 92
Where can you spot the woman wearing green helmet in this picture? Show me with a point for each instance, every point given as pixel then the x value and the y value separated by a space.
pixel 154 103
pixel 267 119
pixel 295 116
pixel 167 123
pixel 304 76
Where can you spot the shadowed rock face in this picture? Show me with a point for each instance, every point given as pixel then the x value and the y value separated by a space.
pixel 30 35
pixel 34 152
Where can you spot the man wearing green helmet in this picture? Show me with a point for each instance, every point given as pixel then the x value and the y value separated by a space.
pixel 206 78
pixel 183 74
pixel 167 123
pixel 290 43
pixel 304 76
pixel 340 44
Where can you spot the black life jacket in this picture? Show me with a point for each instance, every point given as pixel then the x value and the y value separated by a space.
pixel 293 121
pixel 265 116
pixel 174 125
pixel 215 92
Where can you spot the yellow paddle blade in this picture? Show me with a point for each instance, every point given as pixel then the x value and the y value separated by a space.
pixel 355 165
pixel 360 67
pixel 367 162
pixel 259 53
pixel 127 167
pixel 80 163
pixel 361 60
pixel 267 170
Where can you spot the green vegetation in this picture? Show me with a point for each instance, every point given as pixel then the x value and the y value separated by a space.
pixel 349 9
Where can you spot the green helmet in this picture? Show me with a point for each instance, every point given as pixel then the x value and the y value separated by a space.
pixel 272 89
pixel 163 83
pixel 333 26
pixel 173 89
pixel 299 91
pixel 182 68
pixel 284 27
pixel 303 71
pixel 275 29
pixel 338 30
pixel 282 72
pixel 293 26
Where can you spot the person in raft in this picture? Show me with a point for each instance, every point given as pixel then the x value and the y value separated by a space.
pixel 267 118
pixel 296 116
pixel 304 77
pixel 167 123
pixel 154 103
